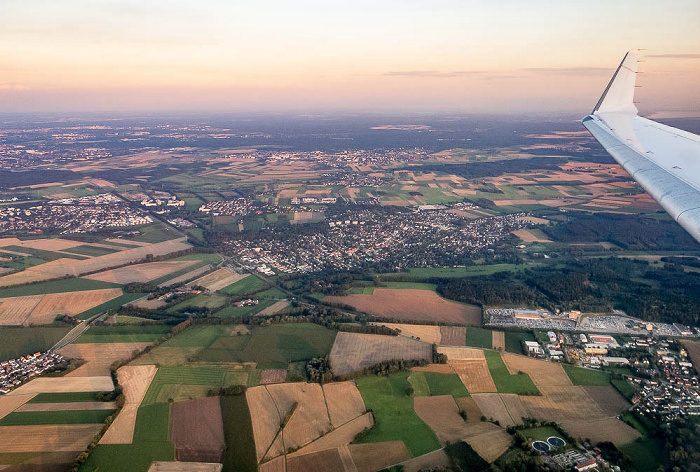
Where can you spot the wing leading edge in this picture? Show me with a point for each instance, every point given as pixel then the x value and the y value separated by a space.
pixel 664 160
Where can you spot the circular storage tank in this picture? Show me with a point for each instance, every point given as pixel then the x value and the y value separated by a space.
pixel 556 441
pixel 540 446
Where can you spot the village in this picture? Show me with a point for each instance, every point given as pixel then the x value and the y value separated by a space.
pixel 14 372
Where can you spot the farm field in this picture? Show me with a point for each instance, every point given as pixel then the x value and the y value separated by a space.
pixel 75 284
pixel 646 453
pixel 340 437
pixel 587 377
pixel 46 438
pixel 112 304
pixel 514 341
pixel 344 402
pixel 124 334
pixel 479 337
pixel 371 457
pixel 507 409
pixel 218 279
pixel 55 417
pixel 693 348
pixel 243 286
pixel 541 372
pixel 212 301
pixel 18 341
pixel 135 381
pixel 353 352
pixel 471 367
pixel 197 430
pixel 427 333
pixel 184 382
pixel 43 309
pixel 441 414
pixel 140 272
pixel 487 440
pixel 605 429
pixel 99 357
pixel 64 397
pixel 608 399
pixel 395 418
pixel 410 305
pixel 506 382
pixel 498 340
pixel 272 346
pixel 239 455
pixel 65 384
pixel 453 336
pixel 274 308
pixel 66 406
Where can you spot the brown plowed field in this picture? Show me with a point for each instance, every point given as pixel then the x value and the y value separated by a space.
pixel 197 430
pixel 310 418
pixel 429 334
pixel 185 467
pixel 99 357
pixel 376 456
pixel 507 409
pixel 541 372
pixel 488 440
pixel 140 272
pixel 323 461
pixel 608 399
pixel 73 267
pixel 274 308
pixel 562 403
pixel 135 381
pixel 442 415
pixel 693 348
pixel 70 406
pixel 266 420
pixel 218 279
pixel 410 304
pixel 474 374
pixel 428 461
pixel 469 406
pixel 69 303
pixel 148 304
pixel 515 406
pixel 498 340
pixel 453 336
pixel 47 438
pixel 344 402
pixel 352 351
pixel 275 465
pixel 340 436
pixel 438 368
pixel 65 384
pixel 15 310
pixel 9 403
pixel 272 376
pixel 603 429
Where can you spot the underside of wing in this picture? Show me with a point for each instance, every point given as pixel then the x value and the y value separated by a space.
pixel 664 160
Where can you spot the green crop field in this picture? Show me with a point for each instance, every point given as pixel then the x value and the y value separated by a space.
pixel 65 397
pixel 445 384
pixel 209 300
pixel 169 379
pixel 647 454
pixel 239 455
pixel 624 387
pixel 232 311
pixel 409 285
pixel 272 346
pixel 271 293
pixel 586 377
pixel 394 416
pixel 504 381
pixel 110 305
pixel 94 251
pixel 419 384
pixel 124 334
pixel 55 417
pixel 56 286
pixel 197 336
pixel 18 341
pixel 478 337
pixel 515 339
pixel 465 457
pixel 360 290
pixel 150 444
pixel 243 286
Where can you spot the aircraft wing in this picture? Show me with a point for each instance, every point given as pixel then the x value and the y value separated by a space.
pixel 664 160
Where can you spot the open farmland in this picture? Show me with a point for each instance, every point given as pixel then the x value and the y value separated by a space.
pixel 395 419
pixel 340 436
pixel 376 456
pixel 140 272
pixel 197 430
pixel 65 384
pixel 43 309
pixel 72 267
pixel 507 382
pixel 488 440
pixel 273 309
pixel 135 381
pixel 506 408
pixel 589 377
pixel 693 348
pixel 218 279
pixel 272 376
pixel 47 438
pixel 192 381
pixel 442 415
pixel 498 340
pixel 344 402
pixel 601 429
pixel 453 336
pixel 239 454
pixel 353 352
pixel 162 466
pixel 471 367
pixel 410 305
pixel 608 399
pixel 98 357
pixel 117 334
pixel 322 461
pixel 10 403
pixel 427 333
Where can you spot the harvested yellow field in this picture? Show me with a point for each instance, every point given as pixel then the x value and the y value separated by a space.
pixel 185 467
pixel 470 408
pixel 65 384
pixel 529 237
pixel 140 272
pixel 344 402
pixel 274 308
pixel 73 267
pixel 429 334
pixel 218 279
pixel 562 403
pixel 371 457
pixel 69 303
pixel 453 335
pixel 475 375
pixel 50 244
pixel 441 414
pixel 506 408
pixel 310 418
pixel 68 406
pixel 148 304
pixel 488 440
pixel 14 311
pixel 9 403
pixel 341 436
pixel 601 429
pixel 135 381
pixel 541 372
pixel 498 340
pixel 99 356
pixel 47 438
pixel 437 368
pixel 266 420
pixel 461 353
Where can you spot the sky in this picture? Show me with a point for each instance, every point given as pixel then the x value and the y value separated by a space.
pixel 466 56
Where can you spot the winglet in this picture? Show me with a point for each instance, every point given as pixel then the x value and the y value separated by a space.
pixel 619 94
